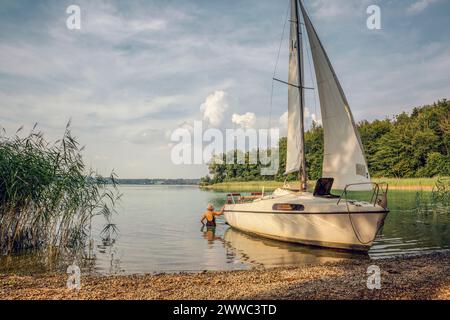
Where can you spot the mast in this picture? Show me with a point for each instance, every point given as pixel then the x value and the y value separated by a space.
pixel 300 74
pixel 295 151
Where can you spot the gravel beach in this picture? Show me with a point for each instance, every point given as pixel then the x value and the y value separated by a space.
pixel 417 277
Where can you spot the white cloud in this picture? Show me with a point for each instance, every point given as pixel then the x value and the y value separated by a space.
pixel 107 21
pixel 420 5
pixel 283 121
pixel 247 120
pixel 114 28
pixel 149 137
pixel 132 72
pixel 309 118
pixel 326 9
pixel 307 113
pixel 214 107
pixel 316 119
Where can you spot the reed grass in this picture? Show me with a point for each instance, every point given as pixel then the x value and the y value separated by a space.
pixel 410 182
pixel 47 196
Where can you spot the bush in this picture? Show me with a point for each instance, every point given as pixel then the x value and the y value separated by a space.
pixel 436 164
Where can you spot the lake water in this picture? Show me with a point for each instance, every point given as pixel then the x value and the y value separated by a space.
pixel 160 231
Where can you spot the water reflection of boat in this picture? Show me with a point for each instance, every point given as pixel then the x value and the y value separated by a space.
pixel 265 252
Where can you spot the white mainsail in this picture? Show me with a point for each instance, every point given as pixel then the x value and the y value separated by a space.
pixel 295 123
pixel 344 158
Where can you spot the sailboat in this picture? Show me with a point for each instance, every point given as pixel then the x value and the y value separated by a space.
pixel 319 218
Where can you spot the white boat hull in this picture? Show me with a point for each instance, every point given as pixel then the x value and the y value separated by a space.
pixel 325 224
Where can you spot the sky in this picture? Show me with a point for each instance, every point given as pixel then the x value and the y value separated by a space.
pixel 138 70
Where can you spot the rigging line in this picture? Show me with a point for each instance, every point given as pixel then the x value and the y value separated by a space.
pixel 293 85
pixel 296 21
pixel 276 65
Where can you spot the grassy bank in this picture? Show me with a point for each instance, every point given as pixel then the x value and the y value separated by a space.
pixel 416 277
pixel 394 184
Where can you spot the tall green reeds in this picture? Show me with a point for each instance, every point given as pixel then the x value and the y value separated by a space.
pixel 47 196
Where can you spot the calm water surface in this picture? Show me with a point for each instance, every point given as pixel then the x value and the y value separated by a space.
pixel 160 231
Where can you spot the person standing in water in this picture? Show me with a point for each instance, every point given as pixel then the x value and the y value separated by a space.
pixel 210 216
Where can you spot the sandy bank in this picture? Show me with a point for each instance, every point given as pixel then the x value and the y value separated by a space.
pixel 423 277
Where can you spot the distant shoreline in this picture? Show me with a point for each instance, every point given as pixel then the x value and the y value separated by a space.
pixel 412 184
pixel 159 182
pixel 407 184
pixel 425 276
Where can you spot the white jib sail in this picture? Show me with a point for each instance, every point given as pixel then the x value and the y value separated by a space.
pixel 344 158
pixel 295 125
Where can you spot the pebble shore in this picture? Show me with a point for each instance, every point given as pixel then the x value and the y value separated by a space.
pixel 416 277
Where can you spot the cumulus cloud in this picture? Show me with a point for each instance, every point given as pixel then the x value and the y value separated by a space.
pixel 214 107
pixel 247 120
pixel 316 119
pixel 133 69
pixel 283 121
pixel 420 5
pixel 307 113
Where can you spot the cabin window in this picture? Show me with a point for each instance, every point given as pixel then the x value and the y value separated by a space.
pixel 288 207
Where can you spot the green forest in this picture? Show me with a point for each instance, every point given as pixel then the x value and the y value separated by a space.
pixel 410 145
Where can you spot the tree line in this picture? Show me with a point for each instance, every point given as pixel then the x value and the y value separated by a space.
pixel 179 181
pixel 414 144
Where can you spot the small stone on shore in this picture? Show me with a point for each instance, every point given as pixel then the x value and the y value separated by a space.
pixel 414 277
